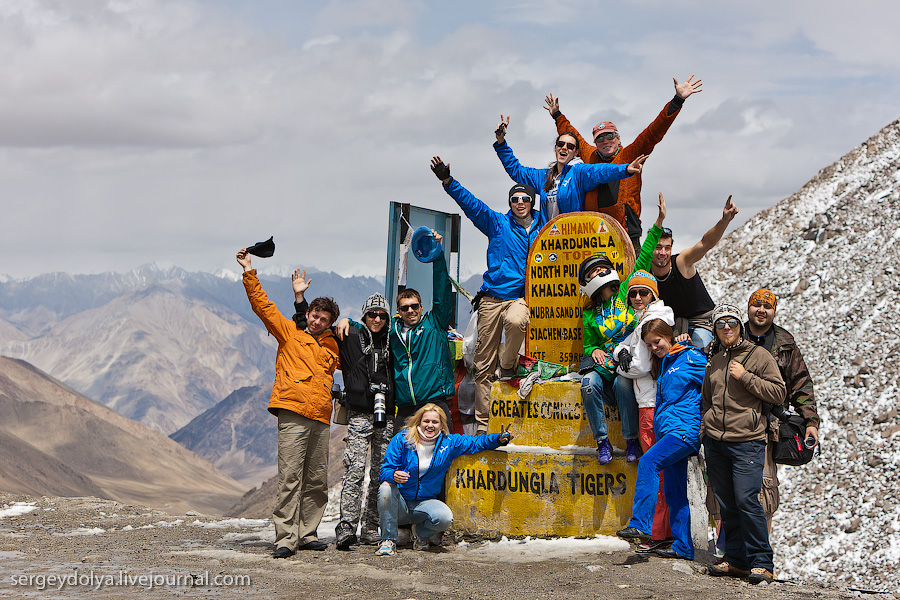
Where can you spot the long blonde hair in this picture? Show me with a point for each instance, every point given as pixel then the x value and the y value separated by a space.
pixel 413 422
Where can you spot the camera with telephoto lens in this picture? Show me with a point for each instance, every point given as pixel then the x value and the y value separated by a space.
pixel 337 393
pixel 380 390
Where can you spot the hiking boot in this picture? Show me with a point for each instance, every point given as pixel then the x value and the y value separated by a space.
pixel 367 538
pixel 604 452
pixel 725 569
pixel 283 552
pixel 758 575
pixel 387 548
pixel 344 535
pixel 648 547
pixel 317 545
pixel 632 451
pixel 669 553
pixel 507 374
pixel 633 533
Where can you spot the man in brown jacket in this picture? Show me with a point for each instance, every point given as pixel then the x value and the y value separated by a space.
pixel 740 379
pixel 762 331
pixel 622 199
pixel 301 399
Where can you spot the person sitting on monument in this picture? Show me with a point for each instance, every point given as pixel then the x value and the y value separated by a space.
pixel 413 472
pixel 565 182
pixel 500 302
pixel 622 201
pixel 607 321
pixel 679 372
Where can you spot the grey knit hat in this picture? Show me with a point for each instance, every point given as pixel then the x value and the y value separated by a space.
pixel 725 310
pixel 375 301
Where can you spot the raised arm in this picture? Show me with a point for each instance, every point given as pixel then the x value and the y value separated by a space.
pixel 481 215
pixel 277 324
pixel 688 258
pixel 441 304
pixel 585 149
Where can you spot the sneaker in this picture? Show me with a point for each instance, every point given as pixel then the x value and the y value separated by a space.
pixel 604 452
pixel 630 533
pixel 758 575
pixel 725 569
pixel 648 547
pixel 507 374
pixel 632 451
pixel 417 542
pixel 345 536
pixel 387 548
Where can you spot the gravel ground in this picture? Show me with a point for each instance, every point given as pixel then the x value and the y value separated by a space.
pixel 86 547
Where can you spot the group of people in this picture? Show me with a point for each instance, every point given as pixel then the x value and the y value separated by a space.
pixel 681 371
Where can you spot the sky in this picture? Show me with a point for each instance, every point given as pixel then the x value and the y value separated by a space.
pixel 179 131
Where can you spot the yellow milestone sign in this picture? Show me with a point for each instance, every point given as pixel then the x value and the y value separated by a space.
pixel 555 333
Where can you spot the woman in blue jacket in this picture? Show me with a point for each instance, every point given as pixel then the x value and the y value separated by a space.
pixel 412 474
pixel 565 182
pixel 679 372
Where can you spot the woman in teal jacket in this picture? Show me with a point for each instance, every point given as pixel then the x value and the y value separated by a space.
pixel 607 321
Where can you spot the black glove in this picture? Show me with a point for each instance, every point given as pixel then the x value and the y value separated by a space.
pixel 624 359
pixel 441 171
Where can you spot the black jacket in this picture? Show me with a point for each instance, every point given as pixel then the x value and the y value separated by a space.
pixel 363 360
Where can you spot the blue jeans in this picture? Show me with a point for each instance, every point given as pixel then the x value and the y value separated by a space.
pixel 668 455
pixel 431 516
pixel 735 473
pixel 700 337
pixel 597 391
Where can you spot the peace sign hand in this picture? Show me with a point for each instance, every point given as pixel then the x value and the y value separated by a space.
pixel 505 435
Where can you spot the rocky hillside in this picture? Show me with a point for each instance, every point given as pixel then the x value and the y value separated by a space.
pixel 57 441
pixel 831 252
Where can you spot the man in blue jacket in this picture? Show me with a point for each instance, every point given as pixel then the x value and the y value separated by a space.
pixel 500 303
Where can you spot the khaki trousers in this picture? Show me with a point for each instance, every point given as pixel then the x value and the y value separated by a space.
pixel 302 479
pixel 495 317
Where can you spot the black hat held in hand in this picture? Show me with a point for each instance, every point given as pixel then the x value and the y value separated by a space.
pixel 263 249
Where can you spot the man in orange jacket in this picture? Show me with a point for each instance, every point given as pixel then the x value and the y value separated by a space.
pixel 622 199
pixel 301 399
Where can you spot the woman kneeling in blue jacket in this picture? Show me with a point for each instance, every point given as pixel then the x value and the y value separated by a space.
pixel 679 372
pixel 412 474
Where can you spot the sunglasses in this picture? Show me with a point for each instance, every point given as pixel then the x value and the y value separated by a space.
pixel 409 307
pixel 603 137
pixel 642 292
pixel 569 145
pixel 730 322
pixel 667 232
pixel 518 199
pixel 377 315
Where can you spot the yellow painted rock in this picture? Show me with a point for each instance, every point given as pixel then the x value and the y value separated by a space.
pixel 516 492
pixel 552 416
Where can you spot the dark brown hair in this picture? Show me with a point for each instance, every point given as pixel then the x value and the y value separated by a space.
pixel 408 293
pixel 325 304
pixel 663 330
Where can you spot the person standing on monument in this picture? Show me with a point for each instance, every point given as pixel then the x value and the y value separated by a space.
pixel 762 331
pixel 622 199
pixel 301 399
pixel 607 321
pixel 563 185
pixel 679 372
pixel 679 282
pixel 740 379
pixel 500 302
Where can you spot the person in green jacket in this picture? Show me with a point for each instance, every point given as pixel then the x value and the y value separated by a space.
pixel 607 321
pixel 422 370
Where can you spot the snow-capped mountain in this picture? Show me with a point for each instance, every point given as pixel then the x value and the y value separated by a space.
pixel 831 253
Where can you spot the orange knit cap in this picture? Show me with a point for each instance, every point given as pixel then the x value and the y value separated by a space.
pixel 763 296
pixel 644 279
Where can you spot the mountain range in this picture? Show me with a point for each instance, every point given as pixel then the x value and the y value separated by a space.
pixel 57 441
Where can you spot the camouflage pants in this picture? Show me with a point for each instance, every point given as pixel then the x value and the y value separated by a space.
pixel 363 440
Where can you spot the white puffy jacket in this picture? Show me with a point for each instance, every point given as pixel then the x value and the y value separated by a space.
pixel 639 370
